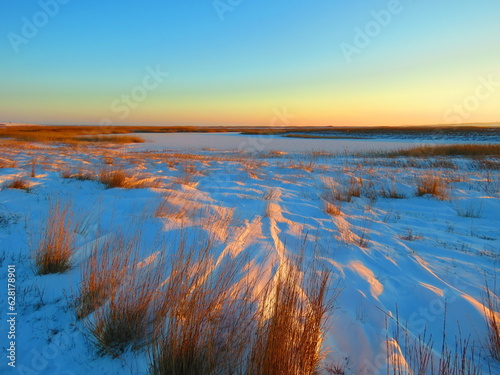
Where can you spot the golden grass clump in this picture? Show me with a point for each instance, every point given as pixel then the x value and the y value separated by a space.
pixel 69 134
pixel 198 313
pixel 129 312
pixel 333 208
pixel 290 323
pixel 432 185
pixel 18 183
pixel 54 251
pixel 102 273
pixel 80 174
pixel 116 178
pixel 336 192
pixel 209 316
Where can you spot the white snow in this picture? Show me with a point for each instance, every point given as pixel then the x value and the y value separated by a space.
pixel 408 257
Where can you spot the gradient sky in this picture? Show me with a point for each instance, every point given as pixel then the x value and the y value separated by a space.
pixel 431 62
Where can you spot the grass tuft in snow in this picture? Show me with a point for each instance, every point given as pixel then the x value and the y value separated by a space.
pixel 113 178
pixel 18 183
pixel 102 273
pixel 412 354
pixel 392 193
pixel 492 312
pixel 333 208
pixel 7 219
pixel 128 318
pixel 472 210
pixel 79 174
pixel 418 357
pixel 432 185
pixel 208 318
pixel 118 177
pixel 53 253
pixel 289 336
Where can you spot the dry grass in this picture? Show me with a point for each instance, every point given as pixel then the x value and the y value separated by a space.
pixel 102 273
pixel 289 334
pixel 7 163
pixel 339 194
pixel 18 183
pixel 189 174
pixel 336 368
pixel 56 133
pixel 53 253
pixel 417 355
pixel 33 167
pixel 333 208
pixel 344 193
pixel 432 185
pixel 489 165
pixel 166 209
pixel 355 187
pixel 362 239
pixel 468 150
pixel 118 177
pixel 213 326
pixel 392 193
pixel 67 134
pixel 94 134
pixel 271 194
pixel 493 320
pixel 113 178
pixel 307 167
pixel 115 139
pixel 128 319
pixel 208 318
pixel 185 208
pixel 410 236
pixel 7 219
pixel 193 319
pixel 470 210
pixel 79 174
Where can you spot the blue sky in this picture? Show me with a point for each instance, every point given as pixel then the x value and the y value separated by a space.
pixel 428 59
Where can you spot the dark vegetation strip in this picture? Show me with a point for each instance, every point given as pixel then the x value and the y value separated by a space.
pixel 72 134
pixel 467 150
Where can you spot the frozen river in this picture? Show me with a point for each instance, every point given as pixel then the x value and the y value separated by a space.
pixel 259 143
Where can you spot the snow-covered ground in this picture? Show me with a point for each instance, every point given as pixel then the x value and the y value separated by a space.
pixel 399 260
